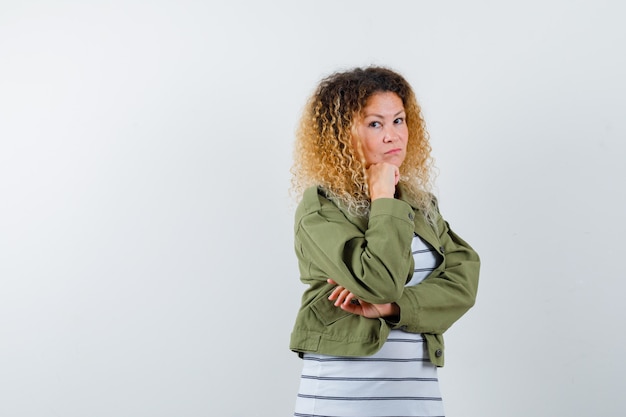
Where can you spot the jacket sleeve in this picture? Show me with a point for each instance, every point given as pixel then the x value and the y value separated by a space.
pixel 449 292
pixel 373 264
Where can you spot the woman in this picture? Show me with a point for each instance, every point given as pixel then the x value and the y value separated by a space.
pixel 367 232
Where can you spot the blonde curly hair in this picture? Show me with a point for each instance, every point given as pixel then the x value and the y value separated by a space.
pixel 324 154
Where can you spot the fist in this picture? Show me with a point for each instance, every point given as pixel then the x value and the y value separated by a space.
pixel 382 179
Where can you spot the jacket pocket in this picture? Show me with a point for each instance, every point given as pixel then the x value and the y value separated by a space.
pixel 326 312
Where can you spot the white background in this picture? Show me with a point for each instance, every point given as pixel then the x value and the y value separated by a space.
pixel 146 262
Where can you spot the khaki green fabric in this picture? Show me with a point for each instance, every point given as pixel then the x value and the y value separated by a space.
pixel 372 258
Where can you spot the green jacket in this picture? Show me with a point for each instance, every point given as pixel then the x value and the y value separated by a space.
pixel 372 258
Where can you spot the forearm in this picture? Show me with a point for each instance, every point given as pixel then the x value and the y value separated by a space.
pixel 374 263
pixel 432 309
pixel 447 294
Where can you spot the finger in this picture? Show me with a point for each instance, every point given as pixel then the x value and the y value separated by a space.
pixel 350 299
pixel 333 295
pixel 342 296
pixel 331 281
pixel 351 308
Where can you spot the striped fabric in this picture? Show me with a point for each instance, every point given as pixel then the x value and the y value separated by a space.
pixel 397 381
pixel 426 260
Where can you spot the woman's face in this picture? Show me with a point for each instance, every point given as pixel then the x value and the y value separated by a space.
pixel 382 130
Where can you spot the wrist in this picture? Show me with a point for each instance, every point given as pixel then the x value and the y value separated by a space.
pixel 390 310
pixel 377 195
pixel 394 317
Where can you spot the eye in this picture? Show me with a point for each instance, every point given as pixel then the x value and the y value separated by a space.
pixel 399 120
pixel 375 124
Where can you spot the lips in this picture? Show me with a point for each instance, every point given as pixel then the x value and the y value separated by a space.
pixel 393 151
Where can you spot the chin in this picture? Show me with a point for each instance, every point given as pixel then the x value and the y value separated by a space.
pixel 397 162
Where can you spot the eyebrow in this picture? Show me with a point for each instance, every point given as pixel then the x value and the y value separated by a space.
pixel 382 117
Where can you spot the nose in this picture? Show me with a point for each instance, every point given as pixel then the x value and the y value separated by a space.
pixel 390 135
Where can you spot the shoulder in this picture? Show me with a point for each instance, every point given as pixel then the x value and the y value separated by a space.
pixel 317 208
pixel 313 200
